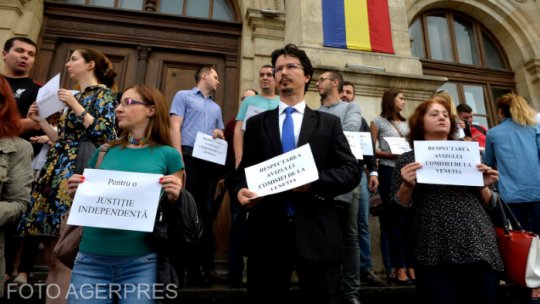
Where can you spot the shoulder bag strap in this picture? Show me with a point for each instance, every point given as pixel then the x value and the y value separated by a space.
pixel 102 150
pixel 397 129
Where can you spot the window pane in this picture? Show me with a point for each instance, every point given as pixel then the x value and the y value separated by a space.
pixel 493 56
pixel 74 1
pixel 222 10
pixel 173 7
pixel 132 4
pixel 451 89
pixel 198 8
pixel 439 38
pixel 498 92
pixel 466 41
pixel 481 120
pixel 474 97
pixel 106 3
pixel 417 42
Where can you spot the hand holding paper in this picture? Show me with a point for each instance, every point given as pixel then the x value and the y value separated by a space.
pixel 47 98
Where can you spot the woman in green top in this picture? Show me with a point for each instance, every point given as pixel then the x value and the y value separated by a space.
pixel 114 263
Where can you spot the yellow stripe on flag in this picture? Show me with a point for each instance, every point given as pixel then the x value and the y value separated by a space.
pixel 357 25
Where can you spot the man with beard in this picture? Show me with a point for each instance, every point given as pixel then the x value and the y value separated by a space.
pixel 296 229
pixel 195 111
pixel 329 85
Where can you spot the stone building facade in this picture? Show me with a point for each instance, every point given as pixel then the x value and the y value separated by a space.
pixel 163 49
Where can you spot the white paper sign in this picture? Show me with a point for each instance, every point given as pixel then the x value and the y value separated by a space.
pixel 116 199
pixel 284 172
pixel 209 149
pixel 398 145
pixel 47 98
pixel 354 142
pixel 448 162
pixel 366 143
pixel 251 111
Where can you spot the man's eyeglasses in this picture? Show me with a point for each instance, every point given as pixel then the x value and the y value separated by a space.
pixel 128 102
pixel 289 66
pixel 321 79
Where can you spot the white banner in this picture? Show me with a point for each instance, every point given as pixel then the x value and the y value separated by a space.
pixel 210 149
pixel 448 162
pixel 47 98
pixel 366 143
pixel 355 143
pixel 284 172
pixel 116 199
pixel 251 111
pixel 398 145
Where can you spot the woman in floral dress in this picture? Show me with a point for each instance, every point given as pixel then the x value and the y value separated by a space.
pixel 89 114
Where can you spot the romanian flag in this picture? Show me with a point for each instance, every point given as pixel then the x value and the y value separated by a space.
pixel 357 24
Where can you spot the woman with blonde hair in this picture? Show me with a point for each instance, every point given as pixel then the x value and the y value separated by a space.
pixel 513 147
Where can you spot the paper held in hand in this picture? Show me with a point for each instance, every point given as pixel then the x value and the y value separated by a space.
pixel 355 143
pixel 210 149
pixel 398 145
pixel 448 162
pixel 116 199
pixel 47 98
pixel 251 111
pixel 366 143
pixel 284 172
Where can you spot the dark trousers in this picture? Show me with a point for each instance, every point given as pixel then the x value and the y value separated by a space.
pixel 396 222
pixel 269 277
pixel 458 283
pixel 202 178
pixel 237 236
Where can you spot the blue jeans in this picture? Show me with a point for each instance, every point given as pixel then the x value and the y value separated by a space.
pixel 99 279
pixel 361 194
pixel 528 215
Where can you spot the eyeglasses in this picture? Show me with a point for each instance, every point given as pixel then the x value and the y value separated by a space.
pixel 289 66
pixel 321 79
pixel 128 102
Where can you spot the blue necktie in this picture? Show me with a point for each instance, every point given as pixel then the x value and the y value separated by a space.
pixel 288 144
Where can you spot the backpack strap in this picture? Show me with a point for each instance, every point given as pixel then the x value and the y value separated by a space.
pixel 479 128
pixel 102 150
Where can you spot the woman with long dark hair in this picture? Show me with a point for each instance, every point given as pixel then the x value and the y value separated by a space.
pixel 393 225
pixel 89 116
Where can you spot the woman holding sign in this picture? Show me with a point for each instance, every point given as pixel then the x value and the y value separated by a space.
pixel 457 258
pixel 123 259
pixel 391 124
pixel 514 148
pixel 89 117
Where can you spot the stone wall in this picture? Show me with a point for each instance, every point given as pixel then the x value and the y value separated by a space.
pixel 20 18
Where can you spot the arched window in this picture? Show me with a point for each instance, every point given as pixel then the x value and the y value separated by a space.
pixel 455 46
pixel 211 9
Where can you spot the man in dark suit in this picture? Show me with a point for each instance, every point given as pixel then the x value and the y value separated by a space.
pixel 296 229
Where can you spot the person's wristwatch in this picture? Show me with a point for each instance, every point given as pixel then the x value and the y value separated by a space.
pixel 80 118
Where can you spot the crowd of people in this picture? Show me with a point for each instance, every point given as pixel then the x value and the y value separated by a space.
pixel 439 238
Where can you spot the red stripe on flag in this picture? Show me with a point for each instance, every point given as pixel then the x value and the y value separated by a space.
pixel 379 26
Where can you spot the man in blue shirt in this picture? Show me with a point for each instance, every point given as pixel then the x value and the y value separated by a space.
pixel 195 111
